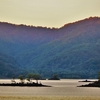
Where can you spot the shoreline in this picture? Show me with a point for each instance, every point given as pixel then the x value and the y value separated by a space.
pixel 93 84
pixel 24 84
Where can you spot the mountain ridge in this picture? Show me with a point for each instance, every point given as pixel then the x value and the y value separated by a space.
pixel 72 51
pixel 33 26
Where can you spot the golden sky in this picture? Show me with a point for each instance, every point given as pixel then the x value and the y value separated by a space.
pixel 50 13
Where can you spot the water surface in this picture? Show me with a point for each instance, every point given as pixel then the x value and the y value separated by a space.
pixel 63 87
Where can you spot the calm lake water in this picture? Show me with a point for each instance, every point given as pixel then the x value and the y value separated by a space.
pixel 63 87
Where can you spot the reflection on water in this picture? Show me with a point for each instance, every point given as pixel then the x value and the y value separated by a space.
pixel 64 87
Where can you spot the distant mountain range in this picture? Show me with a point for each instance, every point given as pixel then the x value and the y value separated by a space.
pixel 72 51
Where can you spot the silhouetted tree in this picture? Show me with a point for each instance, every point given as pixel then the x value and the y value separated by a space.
pixel 32 76
pixel 99 76
pixel 36 77
pixel 21 77
pixel 54 77
pixel 29 77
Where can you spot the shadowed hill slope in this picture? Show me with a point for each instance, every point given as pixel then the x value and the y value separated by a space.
pixel 8 67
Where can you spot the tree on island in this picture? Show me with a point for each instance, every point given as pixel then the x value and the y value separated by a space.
pixel 99 76
pixel 13 80
pixel 37 77
pixel 32 76
pixel 21 77
pixel 29 77
pixel 54 77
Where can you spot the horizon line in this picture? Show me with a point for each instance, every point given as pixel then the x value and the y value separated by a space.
pixel 27 25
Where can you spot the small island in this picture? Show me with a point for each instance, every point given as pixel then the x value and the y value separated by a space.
pixel 54 77
pixel 29 81
pixel 24 84
pixel 92 83
pixel 86 81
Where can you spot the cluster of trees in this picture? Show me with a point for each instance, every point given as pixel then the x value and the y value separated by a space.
pixel 54 77
pixel 29 77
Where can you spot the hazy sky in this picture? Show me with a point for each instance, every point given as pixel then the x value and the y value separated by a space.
pixel 50 13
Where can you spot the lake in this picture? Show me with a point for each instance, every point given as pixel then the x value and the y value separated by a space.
pixel 63 87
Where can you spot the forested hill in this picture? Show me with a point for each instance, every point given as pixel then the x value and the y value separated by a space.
pixel 72 51
pixel 8 67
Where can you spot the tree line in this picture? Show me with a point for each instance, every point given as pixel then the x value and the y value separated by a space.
pixel 29 77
